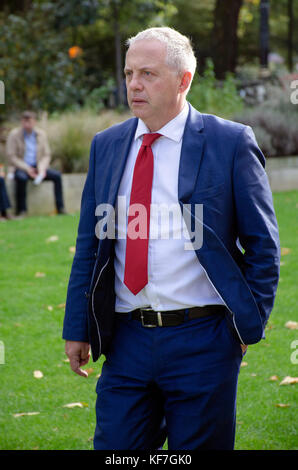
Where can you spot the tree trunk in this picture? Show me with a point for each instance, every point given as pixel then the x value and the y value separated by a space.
pixel 226 15
pixel 119 65
pixel 264 32
pixel 290 34
pixel 14 6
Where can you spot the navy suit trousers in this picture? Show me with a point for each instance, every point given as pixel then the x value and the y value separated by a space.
pixel 175 382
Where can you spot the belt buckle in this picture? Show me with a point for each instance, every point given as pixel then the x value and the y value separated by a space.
pixel 159 319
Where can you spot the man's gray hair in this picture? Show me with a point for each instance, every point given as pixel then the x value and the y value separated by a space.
pixel 180 54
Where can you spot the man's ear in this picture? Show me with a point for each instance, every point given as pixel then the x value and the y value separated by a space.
pixel 185 82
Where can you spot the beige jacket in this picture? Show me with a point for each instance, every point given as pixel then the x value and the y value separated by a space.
pixel 15 149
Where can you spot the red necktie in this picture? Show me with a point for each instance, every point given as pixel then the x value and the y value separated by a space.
pixel 136 258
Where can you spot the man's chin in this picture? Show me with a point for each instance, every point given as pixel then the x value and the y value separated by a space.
pixel 138 111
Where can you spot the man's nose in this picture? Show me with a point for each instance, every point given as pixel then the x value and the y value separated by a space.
pixel 135 83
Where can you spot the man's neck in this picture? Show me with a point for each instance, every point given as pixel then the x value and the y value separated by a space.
pixel 155 126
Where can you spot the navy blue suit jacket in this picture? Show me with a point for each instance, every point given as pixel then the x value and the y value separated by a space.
pixel 221 167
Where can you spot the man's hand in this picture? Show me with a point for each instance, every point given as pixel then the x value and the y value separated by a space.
pixel 78 353
pixel 244 348
pixel 32 172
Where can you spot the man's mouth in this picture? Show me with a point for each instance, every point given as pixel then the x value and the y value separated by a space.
pixel 138 101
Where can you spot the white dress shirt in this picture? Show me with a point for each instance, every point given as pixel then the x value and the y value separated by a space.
pixel 176 279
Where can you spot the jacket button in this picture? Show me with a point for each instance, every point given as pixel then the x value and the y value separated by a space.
pixel 86 295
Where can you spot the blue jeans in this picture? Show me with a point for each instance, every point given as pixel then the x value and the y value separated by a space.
pixel 177 382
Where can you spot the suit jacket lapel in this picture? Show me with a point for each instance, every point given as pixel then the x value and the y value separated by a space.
pixel 191 154
pixel 120 152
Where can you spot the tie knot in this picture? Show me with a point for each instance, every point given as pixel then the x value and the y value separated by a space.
pixel 148 139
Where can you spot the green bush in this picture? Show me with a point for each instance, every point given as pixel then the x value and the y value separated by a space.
pixel 211 96
pixel 34 63
pixel 274 123
pixel 97 99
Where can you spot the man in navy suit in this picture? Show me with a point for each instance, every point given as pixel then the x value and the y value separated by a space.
pixel 173 317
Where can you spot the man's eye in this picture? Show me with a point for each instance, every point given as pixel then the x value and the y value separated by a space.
pixel 147 73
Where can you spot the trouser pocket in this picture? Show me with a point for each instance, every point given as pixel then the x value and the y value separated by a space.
pixel 232 334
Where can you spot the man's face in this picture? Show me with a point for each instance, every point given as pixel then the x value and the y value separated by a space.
pixel 153 88
pixel 28 124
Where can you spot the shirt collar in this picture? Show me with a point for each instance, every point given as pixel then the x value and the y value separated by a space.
pixel 32 134
pixel 172 130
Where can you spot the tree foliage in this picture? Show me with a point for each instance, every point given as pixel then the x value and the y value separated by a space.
pixel 36 36
pixel 34 62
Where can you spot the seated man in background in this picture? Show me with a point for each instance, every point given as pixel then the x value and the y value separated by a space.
pixel 28 151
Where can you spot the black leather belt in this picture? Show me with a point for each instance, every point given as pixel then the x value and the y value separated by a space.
pixel 150 318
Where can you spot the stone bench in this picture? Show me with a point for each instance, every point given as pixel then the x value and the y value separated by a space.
pixel 282 173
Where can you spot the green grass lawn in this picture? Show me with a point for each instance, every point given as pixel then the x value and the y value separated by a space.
pixel 31 316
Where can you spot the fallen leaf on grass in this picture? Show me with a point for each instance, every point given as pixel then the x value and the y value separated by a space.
pixel 292 325
pixel 50 308
pixel 285 251
pixel 274 378
pixel 37 374
pixel 38 274
pixel 244 364
pixel 53 238
pixel 32 413
pixel 282 405
pixel 61 305
pixel 78 404
pixel 72 249
pixel 73 405
pixel 289 380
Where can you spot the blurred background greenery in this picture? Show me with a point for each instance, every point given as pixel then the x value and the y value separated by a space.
pixel 65 60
